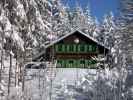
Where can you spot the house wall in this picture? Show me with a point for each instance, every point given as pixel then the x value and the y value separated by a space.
pixel 74 59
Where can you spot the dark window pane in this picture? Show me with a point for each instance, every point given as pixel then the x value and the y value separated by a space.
pixel 88 46
pixel 60 48
pixel 82 63
pixel 59 63
pixel 82 48
pixel 71 49
pixel 71 62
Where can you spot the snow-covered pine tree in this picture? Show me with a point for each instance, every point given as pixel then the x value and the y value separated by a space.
pixel 90 20
pixel 109 29
pixel 127 17
pixel 80 19
pixel 126 30
pixel 59 19
pixel 97 30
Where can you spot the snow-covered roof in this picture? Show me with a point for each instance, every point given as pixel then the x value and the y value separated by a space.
pixel 65 36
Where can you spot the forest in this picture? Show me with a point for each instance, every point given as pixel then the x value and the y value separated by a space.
pixel 32 24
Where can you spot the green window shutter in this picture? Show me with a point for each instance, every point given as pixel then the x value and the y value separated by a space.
pixel 64 63
pixel 90 48
pixel 86 64
pixel 89 63
pixel 74 48
pixel 63 48
pixel 86 48
pixel 67 48
pixel 68 65
pixel 78 48
pixel 94 48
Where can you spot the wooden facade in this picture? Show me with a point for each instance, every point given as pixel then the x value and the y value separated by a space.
pixel 74 50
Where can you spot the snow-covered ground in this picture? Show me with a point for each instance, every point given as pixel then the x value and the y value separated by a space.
pixel 67 83
pixel 70 75
pixel 38 85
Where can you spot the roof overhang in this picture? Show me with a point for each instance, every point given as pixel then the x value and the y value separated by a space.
pixel 65 36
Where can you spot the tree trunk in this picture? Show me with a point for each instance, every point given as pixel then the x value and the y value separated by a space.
pixel 23 73
pixel 16 69
pixel 1 58
pixel 10 69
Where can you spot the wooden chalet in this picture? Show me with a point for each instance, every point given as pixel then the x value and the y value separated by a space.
pixel 74 50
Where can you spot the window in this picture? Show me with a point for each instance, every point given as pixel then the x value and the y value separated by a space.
pixel 82 48
pixel 59 63
pixel 58 48
pixel 71 48
pixel 89 48
pixel 65 48
pixel 71 63
pixel 94 48
pixel 87 64
pixel 93 62
pixel 82 63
